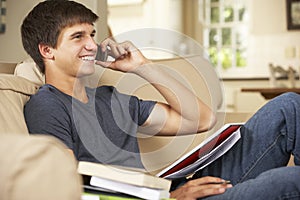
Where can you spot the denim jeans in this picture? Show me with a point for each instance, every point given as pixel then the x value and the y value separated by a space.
pixel 256 165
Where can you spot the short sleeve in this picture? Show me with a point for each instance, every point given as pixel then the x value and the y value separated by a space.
pixel 145 108
pixel 47 115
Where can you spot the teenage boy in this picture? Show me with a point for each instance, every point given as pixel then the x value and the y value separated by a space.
pixel 100 124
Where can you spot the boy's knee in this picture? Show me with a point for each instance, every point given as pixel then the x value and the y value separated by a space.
pixel 289 96
pixel 289 100
pixel 287 176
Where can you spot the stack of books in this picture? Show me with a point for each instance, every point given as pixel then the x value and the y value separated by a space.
pixel 124 182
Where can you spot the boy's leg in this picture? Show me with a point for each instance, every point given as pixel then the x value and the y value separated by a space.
pixel 268 139
pixel 279 183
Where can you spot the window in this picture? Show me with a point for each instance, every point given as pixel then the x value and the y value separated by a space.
pixel 225 32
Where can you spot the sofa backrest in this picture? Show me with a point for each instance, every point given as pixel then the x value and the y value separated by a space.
pixel 7 67
pixel 194 72
pixel 14 93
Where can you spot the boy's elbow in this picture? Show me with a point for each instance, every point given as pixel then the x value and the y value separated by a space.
pixel 207 122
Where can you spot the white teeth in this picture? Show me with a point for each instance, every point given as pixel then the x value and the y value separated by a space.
pixel 88 58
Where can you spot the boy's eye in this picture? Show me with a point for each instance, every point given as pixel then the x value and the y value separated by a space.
pixel 78 36
pixel 82 34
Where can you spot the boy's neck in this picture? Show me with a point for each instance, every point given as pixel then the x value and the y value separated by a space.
pixel 72 86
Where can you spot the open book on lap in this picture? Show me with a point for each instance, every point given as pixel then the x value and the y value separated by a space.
pixel 203 154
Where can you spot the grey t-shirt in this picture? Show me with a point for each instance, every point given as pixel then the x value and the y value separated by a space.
pixel 102 130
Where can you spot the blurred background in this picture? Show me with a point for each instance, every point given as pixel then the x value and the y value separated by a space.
pixel 241 37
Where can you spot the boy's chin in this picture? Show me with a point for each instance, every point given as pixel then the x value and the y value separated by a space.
pixel 86 69
pixel 85 72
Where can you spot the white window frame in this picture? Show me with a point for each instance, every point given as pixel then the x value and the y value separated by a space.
pixel 235 26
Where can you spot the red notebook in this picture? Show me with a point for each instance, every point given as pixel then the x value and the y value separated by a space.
pixel 205 153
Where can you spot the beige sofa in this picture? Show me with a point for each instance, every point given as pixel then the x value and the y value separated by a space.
pixel 17 84
pixel 31 167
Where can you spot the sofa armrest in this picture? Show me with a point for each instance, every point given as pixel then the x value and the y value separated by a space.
pixel 37 167
pixel 232 117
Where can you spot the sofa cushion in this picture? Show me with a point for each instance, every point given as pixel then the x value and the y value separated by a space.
pixel 29 70
pixel 14 93
pixel 7 67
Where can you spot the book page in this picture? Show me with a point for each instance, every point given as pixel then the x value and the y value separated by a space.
pixel 142 192
pixel 205 153
pixel 208 158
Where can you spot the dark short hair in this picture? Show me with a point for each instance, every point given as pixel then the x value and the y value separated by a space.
pixel 45 22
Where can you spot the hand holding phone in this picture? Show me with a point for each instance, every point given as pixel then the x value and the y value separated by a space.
pixel 101 55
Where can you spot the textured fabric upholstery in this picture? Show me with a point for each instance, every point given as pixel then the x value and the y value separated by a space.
pixel 28 69
pixel 37 168
pixel 14 93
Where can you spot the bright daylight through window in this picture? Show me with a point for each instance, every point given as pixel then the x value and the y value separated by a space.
pixel 225 31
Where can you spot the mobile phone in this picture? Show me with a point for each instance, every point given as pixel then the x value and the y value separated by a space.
pixel 101 55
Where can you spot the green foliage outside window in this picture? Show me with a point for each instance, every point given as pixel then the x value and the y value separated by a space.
pixel 213 37
pixel 241 14
pixel 213 55
pixel 225 55
pixel 226 58
pixel 228 14
pixel 215 15
pixel 240 58
pixel 226 37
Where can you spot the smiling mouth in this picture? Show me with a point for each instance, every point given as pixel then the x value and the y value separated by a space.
pixel 88 58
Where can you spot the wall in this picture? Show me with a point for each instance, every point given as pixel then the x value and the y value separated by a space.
pixel 150 13
pixel 11 49
pixel 237 101
pixel 128 20
pixel 268 43
pixel 269 37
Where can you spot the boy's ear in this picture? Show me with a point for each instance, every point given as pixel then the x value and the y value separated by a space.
pixel 45 51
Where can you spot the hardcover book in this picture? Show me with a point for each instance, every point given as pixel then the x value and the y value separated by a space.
pixel 125 175
pixel 124 180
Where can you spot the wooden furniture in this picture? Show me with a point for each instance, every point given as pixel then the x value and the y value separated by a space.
pixel 269 93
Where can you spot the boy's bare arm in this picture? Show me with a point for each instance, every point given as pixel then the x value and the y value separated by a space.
pixel 184 112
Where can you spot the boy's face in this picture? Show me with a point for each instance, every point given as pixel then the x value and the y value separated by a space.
pixel 76 50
